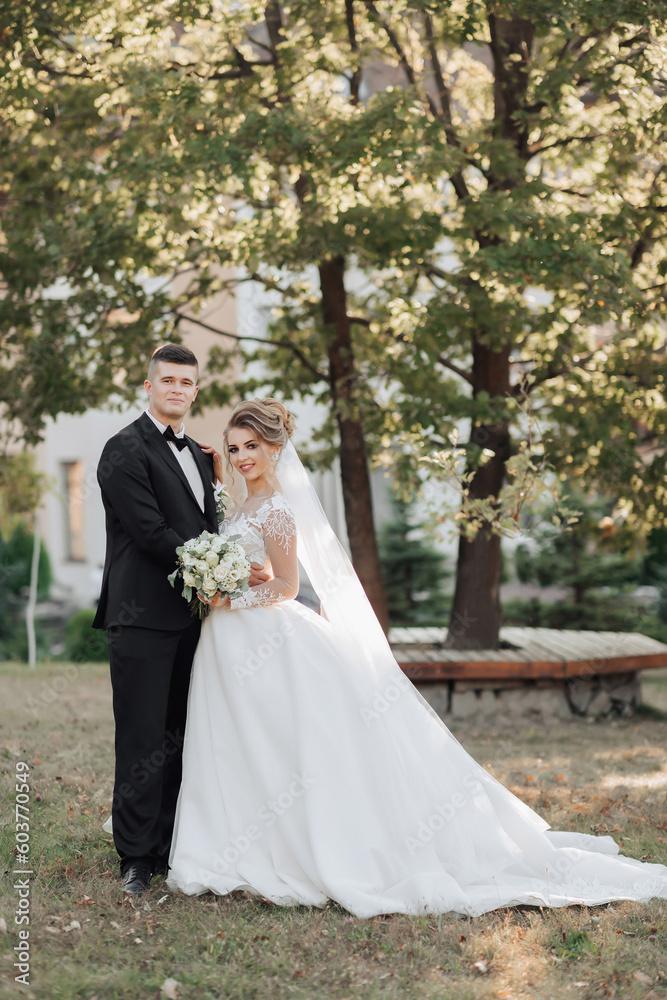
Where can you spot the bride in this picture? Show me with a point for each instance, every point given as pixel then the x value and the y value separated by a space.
pixel 313 770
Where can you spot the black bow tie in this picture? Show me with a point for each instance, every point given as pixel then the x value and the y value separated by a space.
pixel 169 435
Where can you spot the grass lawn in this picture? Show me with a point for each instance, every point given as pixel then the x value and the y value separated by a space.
pixel 601 777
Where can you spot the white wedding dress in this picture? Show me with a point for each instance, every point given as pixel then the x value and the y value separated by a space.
pixel 304 781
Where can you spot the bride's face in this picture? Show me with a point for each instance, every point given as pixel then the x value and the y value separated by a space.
pixel 249 454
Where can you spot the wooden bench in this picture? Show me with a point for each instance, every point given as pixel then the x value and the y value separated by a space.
pixel 527 654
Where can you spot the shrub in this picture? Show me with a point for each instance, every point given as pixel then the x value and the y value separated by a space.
pixel 16 559
pixel 413 572
pixel 597 615
pixel 83 643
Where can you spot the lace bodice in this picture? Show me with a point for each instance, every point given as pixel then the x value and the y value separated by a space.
pixel 266 528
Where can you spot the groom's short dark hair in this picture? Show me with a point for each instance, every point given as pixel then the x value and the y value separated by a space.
pixel 176 353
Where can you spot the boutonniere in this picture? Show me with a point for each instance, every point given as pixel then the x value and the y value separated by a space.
pixel 224 502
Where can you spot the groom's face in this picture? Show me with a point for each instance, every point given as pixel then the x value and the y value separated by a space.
pixel 172 389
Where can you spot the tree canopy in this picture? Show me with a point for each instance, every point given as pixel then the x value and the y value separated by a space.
pixel 456 207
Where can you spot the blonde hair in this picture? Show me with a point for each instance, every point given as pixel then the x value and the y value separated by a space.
pixel 269 419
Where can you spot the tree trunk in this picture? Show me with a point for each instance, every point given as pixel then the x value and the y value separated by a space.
pixel 353 461
pixel 476 612
pixel 32 598
pixel 512 50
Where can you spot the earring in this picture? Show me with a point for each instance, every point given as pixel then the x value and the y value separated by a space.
pixel 275 456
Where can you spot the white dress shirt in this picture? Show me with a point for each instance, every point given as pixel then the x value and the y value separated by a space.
pixel 186 460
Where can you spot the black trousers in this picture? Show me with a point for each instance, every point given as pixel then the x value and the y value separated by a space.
pixel 150 678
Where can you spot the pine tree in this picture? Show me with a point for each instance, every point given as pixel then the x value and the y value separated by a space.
pixel 592 554
pixel 413 572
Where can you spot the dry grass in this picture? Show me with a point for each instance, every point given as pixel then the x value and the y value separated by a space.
pixel 600 777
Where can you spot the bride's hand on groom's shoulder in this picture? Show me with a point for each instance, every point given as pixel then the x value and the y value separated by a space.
pixel 208 449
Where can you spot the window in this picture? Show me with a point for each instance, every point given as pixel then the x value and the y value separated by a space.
pixel 73 499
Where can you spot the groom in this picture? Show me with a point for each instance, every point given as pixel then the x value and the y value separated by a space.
pixel 157 490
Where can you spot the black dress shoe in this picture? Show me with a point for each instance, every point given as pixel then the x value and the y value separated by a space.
pixel 136 876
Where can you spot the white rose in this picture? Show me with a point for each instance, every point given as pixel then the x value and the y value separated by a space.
pixel 189 579
pixel 188 559
pixel 209 586
pixel 201 566
pixel 219 573
pixel 218 543
pixel 212 559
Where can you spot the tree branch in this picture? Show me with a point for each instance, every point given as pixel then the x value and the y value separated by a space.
pixel 442 88
pixel 34 57
pixel 355 79
pixel 537 147
pixel 456 179
pixel 273 19
pixel 287 344
pixel 455 368
pixel 244 67
pixel 394 40
pixel 521 389
pixel 65 44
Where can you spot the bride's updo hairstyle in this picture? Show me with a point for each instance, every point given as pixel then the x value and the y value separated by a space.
pixel 268 419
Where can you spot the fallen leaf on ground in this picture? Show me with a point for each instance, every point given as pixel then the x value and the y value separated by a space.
pixel 169 989
pixel 481 966
pixel 641 977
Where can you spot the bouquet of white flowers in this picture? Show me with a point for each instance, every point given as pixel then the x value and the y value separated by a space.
pixel 224 501
pixel 210 564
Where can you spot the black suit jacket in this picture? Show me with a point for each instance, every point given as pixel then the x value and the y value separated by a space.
pixel 150 510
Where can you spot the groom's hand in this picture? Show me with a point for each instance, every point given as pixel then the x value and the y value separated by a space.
pixel 259 574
